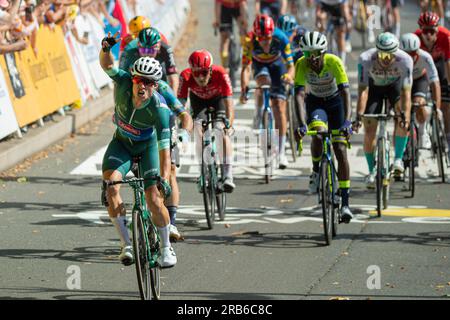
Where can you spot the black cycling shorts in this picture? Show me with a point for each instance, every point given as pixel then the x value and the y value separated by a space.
pixel 199 106
pixel 378 93
pixel 335 13
pixel 226 18
pixel 272 9
pixel 420 87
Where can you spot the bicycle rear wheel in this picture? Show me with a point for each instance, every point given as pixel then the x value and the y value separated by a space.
pixel 327 203
pixel 155 271
pixel 208 194
pixel 141 256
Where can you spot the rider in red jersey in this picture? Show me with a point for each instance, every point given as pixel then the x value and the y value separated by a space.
pixel 435 39
pixel 208 85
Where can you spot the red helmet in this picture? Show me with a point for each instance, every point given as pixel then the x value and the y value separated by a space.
pixel 263 25
pixel 428 19
pixel 201 59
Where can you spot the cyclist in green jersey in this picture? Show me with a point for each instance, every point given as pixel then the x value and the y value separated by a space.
pixel 323 102
pixel 142 119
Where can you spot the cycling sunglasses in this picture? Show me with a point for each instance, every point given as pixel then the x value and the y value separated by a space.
pixel 144 81
pixel 385 55
pixel 148 51
pixel 200 72
pixel 312 54
pixel 264 38
pixel 430 31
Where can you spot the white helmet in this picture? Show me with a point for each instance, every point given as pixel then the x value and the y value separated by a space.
pixel 313 41
pixel 387 42
pixel 410 42
pixel 147 67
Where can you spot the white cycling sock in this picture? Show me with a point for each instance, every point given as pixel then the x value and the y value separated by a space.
pixel 121 227
pixel 282 145
pixel 164 234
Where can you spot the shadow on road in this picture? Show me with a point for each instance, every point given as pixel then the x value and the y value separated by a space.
pixel 92 254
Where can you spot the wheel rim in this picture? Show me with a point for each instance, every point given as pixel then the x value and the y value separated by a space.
pixel 141 257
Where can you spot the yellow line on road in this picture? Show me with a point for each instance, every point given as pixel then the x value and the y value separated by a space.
pixel 414 212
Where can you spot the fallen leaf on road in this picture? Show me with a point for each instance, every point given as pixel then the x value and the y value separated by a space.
pixel 286 200
pixel 440 287
pixel 335 283
pixel 345 253
pixel 226 225
pixel 339 298
pixel 36 231
pixel 22 179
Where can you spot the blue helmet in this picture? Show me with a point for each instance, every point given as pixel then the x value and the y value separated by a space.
pixel 287 24
pixel 299 32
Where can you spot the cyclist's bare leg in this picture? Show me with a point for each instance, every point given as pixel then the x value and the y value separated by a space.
pixel 279 112
pixel 370 132
pixel 316 149
pixel 224 45
pixel 243 19
pixel 340 39
pixel 160 215
pixel 445 108
pixel 321 19
pixel 422 113
pixel 116 208
pixel 340 150
pixel 173 201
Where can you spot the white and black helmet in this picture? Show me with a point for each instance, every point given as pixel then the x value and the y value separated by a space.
pixel 147 67
pixel 410 42
pixel 313 40
pixel 387 42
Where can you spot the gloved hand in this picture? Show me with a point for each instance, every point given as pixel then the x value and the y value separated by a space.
pixel 165 188
pixel 346 128
pixel 109 41
pixel 301 132
pixel 357 123
pixel 227 123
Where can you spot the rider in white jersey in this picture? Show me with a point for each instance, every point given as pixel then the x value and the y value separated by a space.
pixel 425 75
pixel 384 72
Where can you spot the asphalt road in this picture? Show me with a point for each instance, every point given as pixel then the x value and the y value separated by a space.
pixel 269 247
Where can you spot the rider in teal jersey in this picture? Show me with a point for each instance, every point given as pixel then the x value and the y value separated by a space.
pixel 142 119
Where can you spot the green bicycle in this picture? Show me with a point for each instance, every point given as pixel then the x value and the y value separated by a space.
pixel 328 184
pixel 146 241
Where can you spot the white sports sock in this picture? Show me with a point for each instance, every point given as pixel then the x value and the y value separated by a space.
pixel 282 145
pixel 164 234
pixel 121 230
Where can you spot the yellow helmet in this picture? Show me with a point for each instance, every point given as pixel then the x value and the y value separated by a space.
pixel 138 23
pixel 72 11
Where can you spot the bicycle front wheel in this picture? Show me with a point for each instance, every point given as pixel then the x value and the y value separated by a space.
pixel 438 146
pixel 208 194
pixel 221 197
pixel 292 125
pixel 141 256
pixel 327 201
pixel 381 158
pixel 268 146
pixel 155 270
pixel 411 149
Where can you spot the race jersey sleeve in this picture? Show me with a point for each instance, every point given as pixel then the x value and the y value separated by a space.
pixel 300 73
pixel 162 123
pixel 407 72
pixel 167 56
pixel 225 86
pixel 338 70
pixel 118 75
pixel 363 70
pixel 285 47
pixel 183 87
pixel 172 102
pixel 432 74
